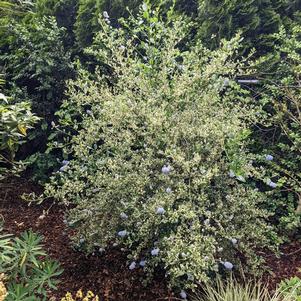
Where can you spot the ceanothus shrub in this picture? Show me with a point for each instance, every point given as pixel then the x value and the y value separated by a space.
pixel 149 164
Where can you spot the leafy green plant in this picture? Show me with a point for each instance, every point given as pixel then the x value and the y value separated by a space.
pixel 291 288
pixel 148 168
pixel 16 120
pixel 41 165
pixel 29 272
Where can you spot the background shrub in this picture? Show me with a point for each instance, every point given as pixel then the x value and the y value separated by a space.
pixel 280 134
pixel 16 120
pixel 36 64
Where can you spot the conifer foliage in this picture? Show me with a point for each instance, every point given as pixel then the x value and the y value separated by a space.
pixel 256 19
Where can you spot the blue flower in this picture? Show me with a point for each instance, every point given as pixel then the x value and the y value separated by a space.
pixel 269 157
pixel 228 265
pixel 89 112
pixel 226 82
pixel 142 263
pixel 122 233
pixel 122 47
pixel 155 252
pixel 180 67
pixel 234 241
pixel 271 183
pixel 63 168
pixel 132 265
pixel 166 169
pixel 231 174
pixel 207 222
pixel 123 215
pixel 183 294
pixel 105 15
pixel 168 190
pixel 160 210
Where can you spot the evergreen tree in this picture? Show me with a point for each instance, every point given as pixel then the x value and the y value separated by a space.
pixel 292 10
pixel 88 12
pixel 65 13
pixel 87 21
pixel 256 19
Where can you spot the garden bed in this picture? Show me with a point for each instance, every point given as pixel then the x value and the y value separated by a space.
pixel 107 275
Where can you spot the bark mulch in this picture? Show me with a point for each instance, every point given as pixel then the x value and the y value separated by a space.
pixel 106 275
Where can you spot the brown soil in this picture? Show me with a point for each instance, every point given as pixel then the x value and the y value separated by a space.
pixel 106 275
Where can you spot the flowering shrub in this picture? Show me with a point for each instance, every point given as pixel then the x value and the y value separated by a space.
pixel 157 158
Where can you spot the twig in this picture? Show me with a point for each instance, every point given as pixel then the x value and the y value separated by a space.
pixel 292 253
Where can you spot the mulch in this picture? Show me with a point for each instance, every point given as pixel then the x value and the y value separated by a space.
pixel 106 275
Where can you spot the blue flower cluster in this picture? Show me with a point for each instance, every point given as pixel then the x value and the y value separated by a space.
pixel 166 169
pixel 132 265
pixel 122 233
pixel 271 183
pixel 160 210
pixel 106 17
pixel 168 190
pixel 269 157
pixel 228 265
pixel 231 174
pixel 123 215
pixel 183 295
pixel 155 252
pixel 142 263
pixel 65 164
pixel 234 241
